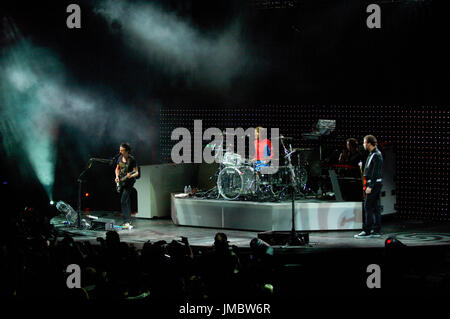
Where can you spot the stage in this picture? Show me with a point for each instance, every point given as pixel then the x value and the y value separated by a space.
pixel 310 214
pixel 411 233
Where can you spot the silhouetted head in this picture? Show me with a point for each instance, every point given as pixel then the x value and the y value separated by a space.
pixel 220 241
pixel 112 238
pixel 352 144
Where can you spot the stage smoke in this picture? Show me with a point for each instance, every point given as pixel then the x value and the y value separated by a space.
pixel 38 97
pixel 27 122
pixel 176 46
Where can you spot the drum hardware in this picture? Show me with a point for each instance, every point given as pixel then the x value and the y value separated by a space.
pixel 294 238
pixel 289 154
pixel 303 149
pixel 238 178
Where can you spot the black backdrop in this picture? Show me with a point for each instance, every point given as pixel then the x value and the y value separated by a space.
pixel 419 135
pixel 308 60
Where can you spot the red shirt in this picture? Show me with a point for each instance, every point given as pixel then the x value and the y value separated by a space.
pixel 263 149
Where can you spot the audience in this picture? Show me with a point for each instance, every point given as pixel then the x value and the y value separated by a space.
pixel 35 260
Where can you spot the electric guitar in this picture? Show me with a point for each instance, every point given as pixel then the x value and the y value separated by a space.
pixel 121 183
pixel 363 179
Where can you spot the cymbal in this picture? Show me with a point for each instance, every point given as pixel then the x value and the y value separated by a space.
pixel 286 137
pixel 303 149
pixel 283 166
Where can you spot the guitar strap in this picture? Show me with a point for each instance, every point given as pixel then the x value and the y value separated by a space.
pixel 370 159
pixel 124 169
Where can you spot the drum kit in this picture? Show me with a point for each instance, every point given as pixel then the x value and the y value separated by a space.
pixel 241 179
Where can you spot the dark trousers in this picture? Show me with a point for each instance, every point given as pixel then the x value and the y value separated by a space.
pixel 372 210
pixel 125 201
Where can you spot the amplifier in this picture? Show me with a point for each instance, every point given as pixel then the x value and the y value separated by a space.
pixel 103 224
pixel 279 238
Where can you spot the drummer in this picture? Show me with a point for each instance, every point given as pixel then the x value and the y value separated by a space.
pixel 263 149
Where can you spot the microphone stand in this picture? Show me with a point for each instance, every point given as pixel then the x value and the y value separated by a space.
pixel 288 238
pixel 80 182
pixel 294 239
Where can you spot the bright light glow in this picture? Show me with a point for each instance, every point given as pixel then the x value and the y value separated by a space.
pixel 52 202
pixel 26 122
pixel 37 96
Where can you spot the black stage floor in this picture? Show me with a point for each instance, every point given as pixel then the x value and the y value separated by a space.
pixel 411 233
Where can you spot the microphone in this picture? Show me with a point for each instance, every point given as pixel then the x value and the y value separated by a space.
pixel 114 159
pixel 101 160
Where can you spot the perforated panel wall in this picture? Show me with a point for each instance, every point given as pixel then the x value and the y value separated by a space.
pixel 420 136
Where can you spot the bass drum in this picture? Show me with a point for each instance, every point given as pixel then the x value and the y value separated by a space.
pixel 233 182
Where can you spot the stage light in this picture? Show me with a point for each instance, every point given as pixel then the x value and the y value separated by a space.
pixel 392 242
pixel 52 203
pixel 87 194
pixel 29 85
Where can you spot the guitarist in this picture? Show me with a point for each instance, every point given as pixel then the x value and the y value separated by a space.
pixel 126 173
pixel 373 179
